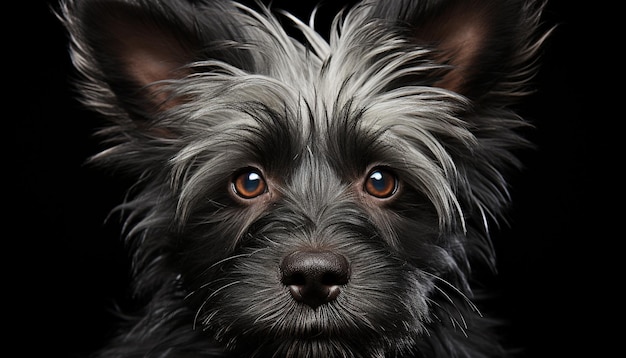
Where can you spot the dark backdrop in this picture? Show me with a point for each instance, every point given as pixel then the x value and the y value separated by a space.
pixel 68 265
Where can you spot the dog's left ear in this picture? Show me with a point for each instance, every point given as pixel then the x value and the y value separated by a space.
pixel 128 51
pixel 485 43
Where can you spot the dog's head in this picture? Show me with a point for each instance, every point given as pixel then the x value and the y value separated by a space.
pixel 324 198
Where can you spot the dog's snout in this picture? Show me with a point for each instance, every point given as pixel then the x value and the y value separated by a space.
pixel 314 277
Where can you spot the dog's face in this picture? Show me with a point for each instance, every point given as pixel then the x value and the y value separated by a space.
pixel 300 240
pixel 323 200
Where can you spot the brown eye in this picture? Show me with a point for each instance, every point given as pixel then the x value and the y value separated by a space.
pixel 381 183
pixel 249 183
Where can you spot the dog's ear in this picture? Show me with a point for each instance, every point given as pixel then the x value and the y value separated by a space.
pixel 485 43
pixel 128 51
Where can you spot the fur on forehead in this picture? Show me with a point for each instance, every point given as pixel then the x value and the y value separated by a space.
pixel 175 75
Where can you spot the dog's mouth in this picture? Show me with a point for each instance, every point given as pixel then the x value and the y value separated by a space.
pixel 298 330
pixel 318 324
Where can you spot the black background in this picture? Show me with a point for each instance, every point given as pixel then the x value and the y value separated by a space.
pixel 68 265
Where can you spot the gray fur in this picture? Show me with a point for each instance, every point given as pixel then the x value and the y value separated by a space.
pixel 313 119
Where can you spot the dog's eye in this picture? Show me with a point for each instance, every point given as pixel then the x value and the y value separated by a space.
pixel 249 183
pixel 381 183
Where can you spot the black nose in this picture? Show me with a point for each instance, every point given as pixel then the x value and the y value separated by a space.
pixel 314 277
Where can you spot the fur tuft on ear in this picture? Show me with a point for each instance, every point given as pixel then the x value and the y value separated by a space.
pixel 487 44
pixel 128 51
pixel 144 46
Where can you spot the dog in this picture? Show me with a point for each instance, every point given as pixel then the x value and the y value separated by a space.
pixel 302 195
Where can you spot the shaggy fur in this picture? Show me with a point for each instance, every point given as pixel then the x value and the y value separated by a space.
pixel 318 199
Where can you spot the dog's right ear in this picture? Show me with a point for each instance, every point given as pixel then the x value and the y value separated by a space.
pixel 128 51
pixel 488 46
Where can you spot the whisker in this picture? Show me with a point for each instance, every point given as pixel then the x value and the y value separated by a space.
pixel 206 300
pixel 467 300
pixel 453 320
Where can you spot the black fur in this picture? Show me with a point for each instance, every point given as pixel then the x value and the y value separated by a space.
pixel 379 160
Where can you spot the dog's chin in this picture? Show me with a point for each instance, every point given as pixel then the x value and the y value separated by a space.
pixel 317 347
pixel 323 333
